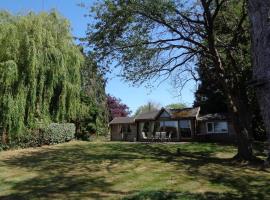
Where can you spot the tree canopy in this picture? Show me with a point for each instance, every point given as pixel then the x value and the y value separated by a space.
pixel 176 106
pixel 116 107
pixel 160 39
pixel 148 107
pixel 39 71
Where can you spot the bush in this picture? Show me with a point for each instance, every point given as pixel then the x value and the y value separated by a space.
pixel 53 134
pixel 58 133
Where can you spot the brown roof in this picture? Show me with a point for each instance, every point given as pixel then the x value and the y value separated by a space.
pixel 174 113
pixel 123 120
pixel 185 112
pixel 149 115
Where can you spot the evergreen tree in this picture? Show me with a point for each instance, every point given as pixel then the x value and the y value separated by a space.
pixel 94 99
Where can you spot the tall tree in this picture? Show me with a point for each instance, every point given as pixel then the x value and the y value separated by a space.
pixel 209 96
pixel 259 12
pixel 39 72
pixel 94 119
pixel 150 39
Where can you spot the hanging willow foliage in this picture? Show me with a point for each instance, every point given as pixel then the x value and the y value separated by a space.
pixel 39 71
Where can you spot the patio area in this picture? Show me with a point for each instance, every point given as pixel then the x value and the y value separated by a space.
pixel 165 130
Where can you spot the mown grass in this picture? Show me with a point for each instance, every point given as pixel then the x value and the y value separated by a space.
pixel 85 170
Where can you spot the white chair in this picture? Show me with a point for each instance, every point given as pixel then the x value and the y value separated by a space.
pixel 169 136
pixel 144 136
pixel 150 135
pixel 157 135
pixel 163 136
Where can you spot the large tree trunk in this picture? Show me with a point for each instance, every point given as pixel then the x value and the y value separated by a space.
pixel 242 124
pixel 259 13
pixel 237 104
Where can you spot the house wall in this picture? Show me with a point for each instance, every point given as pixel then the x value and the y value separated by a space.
pixel 131 136
pixel 117 135
pixel 202 134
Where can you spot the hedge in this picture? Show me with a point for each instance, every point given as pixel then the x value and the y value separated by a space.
pixel 55 133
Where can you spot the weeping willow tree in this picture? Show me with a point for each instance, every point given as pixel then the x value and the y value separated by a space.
pixel 39 72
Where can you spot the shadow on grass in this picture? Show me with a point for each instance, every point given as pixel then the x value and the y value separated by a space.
pixel 161 195
pixel 73 172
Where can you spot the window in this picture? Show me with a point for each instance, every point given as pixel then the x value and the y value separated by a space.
pixel 170 127
pixel 217 127
pixel 185 128
pixel 184 124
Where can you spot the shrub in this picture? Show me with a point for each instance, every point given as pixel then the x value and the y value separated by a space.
pixel 58 133
pixel 53 134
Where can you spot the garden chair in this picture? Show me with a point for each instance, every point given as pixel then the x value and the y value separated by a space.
pixel 150 136
pixel 169 138
pixel 144 136
pixel 163 136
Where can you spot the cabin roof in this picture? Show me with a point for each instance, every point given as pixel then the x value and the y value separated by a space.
pixel 123 120
pixel 153 115
pixel 185 113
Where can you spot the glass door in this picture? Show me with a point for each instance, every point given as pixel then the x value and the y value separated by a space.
pixel 185 128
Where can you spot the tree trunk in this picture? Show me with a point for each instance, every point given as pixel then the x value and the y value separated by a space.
pixel 259 13
pixel 242 124
pixel 4 137
pixel 237 106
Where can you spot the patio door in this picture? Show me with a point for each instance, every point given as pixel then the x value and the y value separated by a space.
pixel 185 128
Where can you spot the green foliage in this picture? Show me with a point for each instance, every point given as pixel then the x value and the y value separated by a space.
pixel 150 106
pixel 39 72
pixel 94 115
pixel 176 106
pixel 53 133
pixel 58 133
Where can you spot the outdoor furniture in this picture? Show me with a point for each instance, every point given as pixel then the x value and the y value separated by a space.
pixel 157 135
pixel 163 136
pixel 144 136
pixel 150 136
pixel 169 136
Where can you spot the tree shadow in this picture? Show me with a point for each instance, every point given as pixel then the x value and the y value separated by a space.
pixel 73 172
pixel 162 195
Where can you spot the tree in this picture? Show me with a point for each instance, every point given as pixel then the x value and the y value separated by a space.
pixel 152 39
pixel 176 106
pixel 260 19
pixel 116 108
pixel 211 99
pixel 94 118
pixel 209 96
pixel 150 106
pixel 39 72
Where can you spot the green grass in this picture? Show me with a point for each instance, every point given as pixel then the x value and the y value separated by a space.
pixel 85 170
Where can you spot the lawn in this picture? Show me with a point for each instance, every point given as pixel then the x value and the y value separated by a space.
pixel 84 170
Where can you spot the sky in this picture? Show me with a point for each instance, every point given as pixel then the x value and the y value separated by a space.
pixel 133 97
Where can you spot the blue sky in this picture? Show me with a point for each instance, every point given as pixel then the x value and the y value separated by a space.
pixel 132 96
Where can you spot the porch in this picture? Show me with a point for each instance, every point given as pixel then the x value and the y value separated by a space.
pixel 165 130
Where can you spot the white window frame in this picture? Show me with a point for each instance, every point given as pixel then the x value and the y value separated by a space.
pixel 213 125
